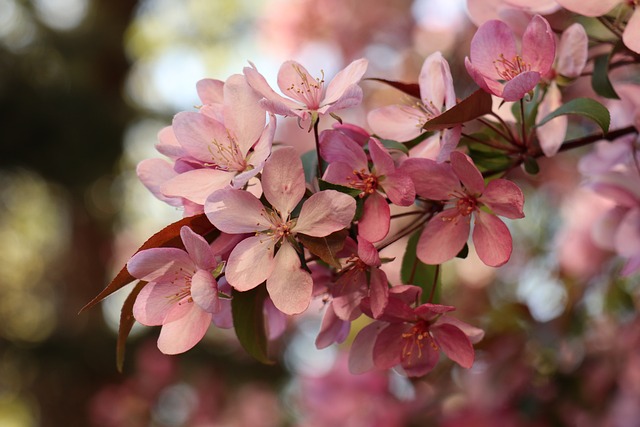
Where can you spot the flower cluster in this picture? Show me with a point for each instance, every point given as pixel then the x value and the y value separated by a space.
pixel 259 237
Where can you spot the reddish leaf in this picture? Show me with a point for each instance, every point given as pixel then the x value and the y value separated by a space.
pixel 167 237
pixel 411 89
pixel 475 105
pixel 325 247
pixel 126 323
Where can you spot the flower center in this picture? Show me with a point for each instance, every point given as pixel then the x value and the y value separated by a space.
pixel 307 91
pixel 415 339
pixel 507 69
pixel 364 181
pixel 466 205
pixel 227 156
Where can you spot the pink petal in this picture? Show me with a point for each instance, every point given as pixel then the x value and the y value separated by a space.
pixel 375 220
pixel 454 343
pixel 432 180
pixel 196 185
pixel 295 82
pixel 361 353
pixel 368 253
pixel 223 318
pixel 289 286
pixel 436 83
pixel 348 292
pixel 340 173
pixel 259 83
pixel 153 173
pixel 516 88
pixel 387 351
pixel 492 239
pixel 332 329
pixel 627 238
pixel 154 302
pixel 539 45
pixel 382 161
pixel 399 188
pixel 159 264
pixel 504 198
pixel 551 134
pixel 325 212
pixel 396 122
pixel 492 40
pixel 236 211
pixel 448 143
pixel 276 321
pixel 336 147
pixel 204 291
pixel 378 291
pixel 283 180
pixel 168 144
pixel 631 33
pixel 346 78
pixel 250 263
pixel 467 172
pixel 195 132
pixel 243 116
pixel 589 7
pixel 443 237
pixel 572 51
pixel 210 91
pixel 485 83
pixel 419 362
pixel 198 249
pixel 350 98
pixel 186 326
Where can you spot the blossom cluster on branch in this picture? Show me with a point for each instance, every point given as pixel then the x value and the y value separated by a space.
pixel 266 232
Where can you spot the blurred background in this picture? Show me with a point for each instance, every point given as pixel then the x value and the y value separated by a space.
pixel 85 85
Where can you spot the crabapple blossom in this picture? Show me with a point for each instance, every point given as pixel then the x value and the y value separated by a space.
pixel 182 293
pixel 461 187
pixel 349 166
pixel 412 337
pixel 497 67
pixel 404 122
pixel 307 96
pixel 255 258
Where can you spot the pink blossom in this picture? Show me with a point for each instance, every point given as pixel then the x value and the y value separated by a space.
pixel 404 122
pixel 271 253
pixel 461 187
pixel 631 33
pixel 412 337
pixel 498 68
pixel 182 293
pixel 349 166
pixel 307 96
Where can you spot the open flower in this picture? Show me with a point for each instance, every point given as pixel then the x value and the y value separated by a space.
pixel 182 293
pixel 404 122
pixel 255 259
pixel 461 187
pixel 413 337
pixel 497 67
pixel 307 95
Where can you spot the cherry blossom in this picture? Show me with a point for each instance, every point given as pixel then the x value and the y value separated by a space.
pixel 270 255
pixel 349 166
pixel 307 96
pixel 182 293
pixel 405 122
pixel 497 67
pixel 461 187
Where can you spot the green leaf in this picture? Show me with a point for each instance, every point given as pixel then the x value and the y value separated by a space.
pixel 394 145
pixel 326 247
pixel 464 252
pixel 310 165
pixel 326 185
pixel 415 272
pixel 248 322
pixel 600 78
pixel 531 165
pixel 411 89
pixel 585 107
pixel 126 323
pixel 475 105
pixel 167 237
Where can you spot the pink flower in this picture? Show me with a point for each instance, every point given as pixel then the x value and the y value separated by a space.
pixel 412 337
pixel 307 95
pixel 349 166
pixel 403 123
pixel 631 33
pixel 461 187
pixel 182 293
pixel 271 253
pixel 496 66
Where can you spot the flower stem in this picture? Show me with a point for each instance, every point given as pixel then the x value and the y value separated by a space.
pixel 435 282
pixel 317 140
